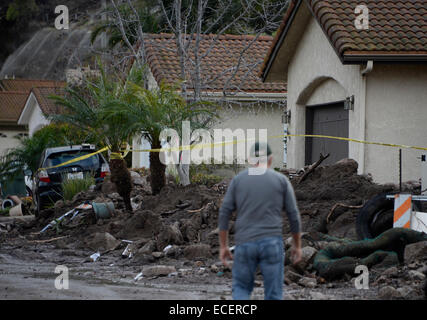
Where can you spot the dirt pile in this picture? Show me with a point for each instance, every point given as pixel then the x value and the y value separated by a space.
pixel 319 194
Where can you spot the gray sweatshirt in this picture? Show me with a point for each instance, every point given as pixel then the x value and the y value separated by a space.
pixel 259 201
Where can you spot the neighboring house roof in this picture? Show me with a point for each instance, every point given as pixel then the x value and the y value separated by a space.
pixel 46 104
pixel 41 97
pixel 219 58
pixel 397 29
pixel 27 84
pixel 11 105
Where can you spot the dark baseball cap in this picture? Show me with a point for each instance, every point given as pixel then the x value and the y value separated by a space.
pixel 259 149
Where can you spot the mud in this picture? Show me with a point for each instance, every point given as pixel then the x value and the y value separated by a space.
pixel 178 228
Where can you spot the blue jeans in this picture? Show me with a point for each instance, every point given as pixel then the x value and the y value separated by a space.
pixel 267 253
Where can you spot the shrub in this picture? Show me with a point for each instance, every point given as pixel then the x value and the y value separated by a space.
pixel 206 179
pixel 71 187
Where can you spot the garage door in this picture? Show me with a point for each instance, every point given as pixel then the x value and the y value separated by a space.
pixel 329 120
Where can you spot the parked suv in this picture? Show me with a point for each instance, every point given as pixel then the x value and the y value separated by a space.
pixel 46 183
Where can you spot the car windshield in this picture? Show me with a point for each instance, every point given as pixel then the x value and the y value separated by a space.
pixel 61 157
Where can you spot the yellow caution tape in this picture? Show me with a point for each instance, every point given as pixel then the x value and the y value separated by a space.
pixel 86 156
pixel 353 140
pixel 118 155
pixel 208 145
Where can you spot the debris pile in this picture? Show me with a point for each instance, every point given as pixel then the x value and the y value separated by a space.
pixel 174 233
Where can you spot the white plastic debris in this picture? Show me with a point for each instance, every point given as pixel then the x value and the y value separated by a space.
pixel 232 248
pixel 127 252
pixel 95 256
pixel 172 274
pixel 167 248
pixel 139 276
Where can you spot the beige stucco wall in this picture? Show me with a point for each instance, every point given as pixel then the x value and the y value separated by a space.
pixel 267 118
pixel 316 76
pixel 10 141
pixel 396 112
pixel 37 121
pixel 390 105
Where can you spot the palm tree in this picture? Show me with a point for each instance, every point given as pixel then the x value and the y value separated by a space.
pixel 85 107
pixel 150 112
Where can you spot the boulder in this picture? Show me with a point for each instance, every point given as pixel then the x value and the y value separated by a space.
pixel 416 275
pixel 416 251
pixel 389 293
pixel 103 241
pixel 169 235
pixel 157 271
pixel 108 186
pixel 148 248
pixel 391 272
pixel 307 256
pixel 197 251
pixel 308 282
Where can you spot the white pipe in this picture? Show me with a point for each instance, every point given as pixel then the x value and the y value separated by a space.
pixel 362 114
pixel 369 67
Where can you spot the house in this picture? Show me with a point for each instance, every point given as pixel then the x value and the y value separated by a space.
pixel 365 81
pixel 11 104
pixel 38 105
pixel 228 70
pixel 14 94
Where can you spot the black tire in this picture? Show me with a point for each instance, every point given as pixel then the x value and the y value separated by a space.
pixel 375 217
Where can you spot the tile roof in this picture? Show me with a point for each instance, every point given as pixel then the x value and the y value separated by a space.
pixel 27 84
pixel 11 105
pixel 397 28
pixel 46 104
pixel 219 60
pixel 394 25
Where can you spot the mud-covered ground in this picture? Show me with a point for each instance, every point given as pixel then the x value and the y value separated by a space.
pixel 168 247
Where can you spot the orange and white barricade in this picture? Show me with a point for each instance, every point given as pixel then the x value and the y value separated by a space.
pixel 402 211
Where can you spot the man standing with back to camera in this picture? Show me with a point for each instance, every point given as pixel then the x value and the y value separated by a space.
pixel 259 194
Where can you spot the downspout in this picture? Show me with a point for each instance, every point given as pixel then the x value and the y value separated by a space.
pixel 362 119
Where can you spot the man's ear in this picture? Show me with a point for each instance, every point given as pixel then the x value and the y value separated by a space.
pixel 270 161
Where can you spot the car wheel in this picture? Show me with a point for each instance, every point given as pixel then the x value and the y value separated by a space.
pixel 375 217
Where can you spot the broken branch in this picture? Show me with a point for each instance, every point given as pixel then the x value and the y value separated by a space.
pixel 313 167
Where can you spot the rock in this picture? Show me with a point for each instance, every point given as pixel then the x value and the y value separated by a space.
pixel 197 251
pixel 416 275
pixel 157 271
pixel 307 256
pixel 108 186
pixel 173 252
pixel 198 263
pixel 351 164
pixel 114 196
pixel 388 293
pixel 292 276
pixel 214 268
pixel 148 248
pixel 391 272
pixel 134 174
pixel 169 235
pixel 405 292
pixel 59 204
pixel 415 251
pixel 103 241
pixel 318 296
pixel 157 254
pixel 308 282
